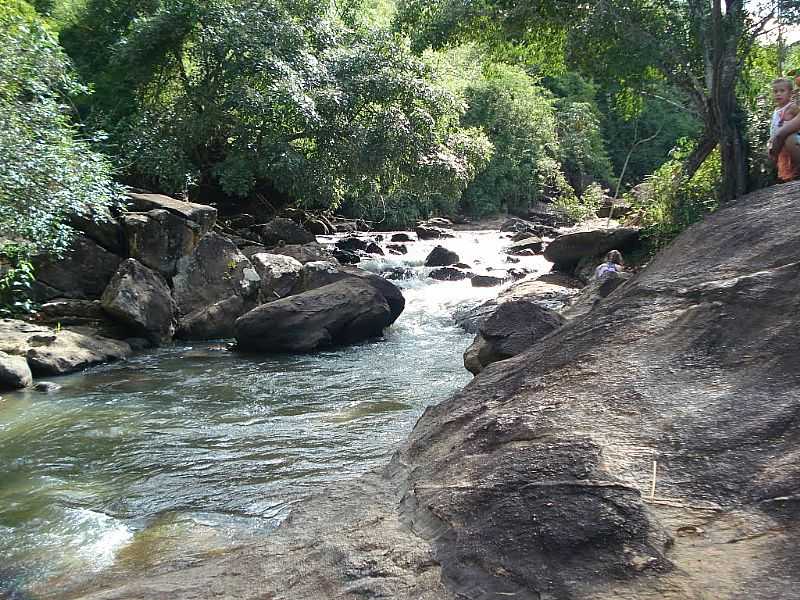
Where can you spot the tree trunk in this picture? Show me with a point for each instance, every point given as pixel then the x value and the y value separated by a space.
pixel 700 153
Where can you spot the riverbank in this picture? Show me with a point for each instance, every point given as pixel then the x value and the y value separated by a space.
pixel 644 451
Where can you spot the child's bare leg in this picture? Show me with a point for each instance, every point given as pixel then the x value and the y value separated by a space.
pixel 792 145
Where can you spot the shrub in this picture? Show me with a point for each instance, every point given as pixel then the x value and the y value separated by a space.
pixel 47 170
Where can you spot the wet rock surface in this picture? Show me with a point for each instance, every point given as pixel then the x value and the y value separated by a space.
pixel 535 480
pixel 57 352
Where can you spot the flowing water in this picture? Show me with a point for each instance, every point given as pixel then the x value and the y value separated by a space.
pixel 191 447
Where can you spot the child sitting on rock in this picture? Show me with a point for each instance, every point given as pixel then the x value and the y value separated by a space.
pixel 613 264
pixel 787 154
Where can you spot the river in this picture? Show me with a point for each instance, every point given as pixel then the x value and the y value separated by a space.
pixel 191 447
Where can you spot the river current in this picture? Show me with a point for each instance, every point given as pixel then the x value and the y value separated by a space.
pixel 192 447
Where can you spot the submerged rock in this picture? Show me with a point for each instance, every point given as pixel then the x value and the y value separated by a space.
pixel 343 312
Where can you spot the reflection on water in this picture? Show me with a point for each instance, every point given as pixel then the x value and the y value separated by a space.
pixel 192 447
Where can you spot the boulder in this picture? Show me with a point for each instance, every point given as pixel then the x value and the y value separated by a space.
pixel 202 215
pixel 397 248
pixel 432 233
pixel 284 231
pixel 567 250
pixel 346 257
pixel 15 373
pixel 447 274
pixel 159 239
pixel 304 253
pixel 57 352
pixel 510 330
pixel 441 257
pixel 141 299
pixel 103 228
pixel 401 237
pixel 399 273
pixel 553 296
pixel 215 272
pixel 526 246
pixel 279 275
pixel 373 248
pixel 486 281
pixel 351 244
pixel 319 274
pixel 83 272
pixel 342 312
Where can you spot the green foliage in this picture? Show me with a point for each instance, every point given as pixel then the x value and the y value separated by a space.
pixel 520 121
pixel 47 171
pixel 584 207
pixel 665 206
pixel 16 279
pixel 278 97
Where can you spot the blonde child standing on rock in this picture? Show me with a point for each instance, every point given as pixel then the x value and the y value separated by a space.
pixel 787 154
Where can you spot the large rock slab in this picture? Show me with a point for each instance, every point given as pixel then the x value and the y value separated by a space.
pixel 57 352
pixel 204 216
pixel 567 250
pixel 15 373
pixel 216 272
pixel 343 312
pixel 141 299
pixel 159 239
pixel 83 272
pixel 510 329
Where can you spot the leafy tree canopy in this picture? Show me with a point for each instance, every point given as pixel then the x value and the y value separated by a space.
pixel 48 171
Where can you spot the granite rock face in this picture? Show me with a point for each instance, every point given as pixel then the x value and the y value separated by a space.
pixel 536 481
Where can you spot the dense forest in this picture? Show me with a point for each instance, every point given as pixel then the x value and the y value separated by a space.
pixel 384 110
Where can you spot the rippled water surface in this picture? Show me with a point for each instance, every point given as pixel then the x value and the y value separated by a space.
pixel 192 444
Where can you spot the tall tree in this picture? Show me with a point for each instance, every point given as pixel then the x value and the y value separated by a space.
pixel 697 46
